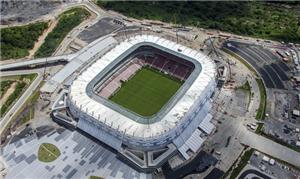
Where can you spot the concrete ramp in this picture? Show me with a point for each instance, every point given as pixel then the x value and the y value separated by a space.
pixel 96 48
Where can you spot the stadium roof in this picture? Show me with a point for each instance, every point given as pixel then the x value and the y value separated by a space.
pixel 120 122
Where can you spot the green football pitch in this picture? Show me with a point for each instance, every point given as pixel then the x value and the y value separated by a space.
pixel 146 92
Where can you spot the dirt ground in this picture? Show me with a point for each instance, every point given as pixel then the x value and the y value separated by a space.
pixel 8 92
pixel 42 38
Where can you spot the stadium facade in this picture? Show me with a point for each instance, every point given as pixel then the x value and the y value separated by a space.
pixel 181 125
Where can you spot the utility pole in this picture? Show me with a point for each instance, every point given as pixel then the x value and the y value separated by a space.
pixel 217 54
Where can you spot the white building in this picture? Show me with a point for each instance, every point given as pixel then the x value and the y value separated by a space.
pixel 179 128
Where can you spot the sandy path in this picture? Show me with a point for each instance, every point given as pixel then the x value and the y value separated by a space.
pixel 8 92
pixel 41 39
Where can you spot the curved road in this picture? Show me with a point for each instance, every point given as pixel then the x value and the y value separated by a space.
pixel 253 172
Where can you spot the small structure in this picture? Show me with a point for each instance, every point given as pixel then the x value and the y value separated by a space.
pixel 296 112
pixel 272 162
pixel 265 158
pixel 256 153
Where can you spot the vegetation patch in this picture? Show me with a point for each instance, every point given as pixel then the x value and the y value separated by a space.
pixel 260 115
pixel 67 21
pixel 243 162
pixel 247 89
pixel 272 20
pixel 23 81
pixel 17 41
pixel 259 128
pixel 95 177
pixel 48 152
pixel 4 85
pixel 146 92
pixel 30 107
pixel 15 95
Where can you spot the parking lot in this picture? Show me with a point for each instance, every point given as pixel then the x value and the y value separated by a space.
pixel 274 72
pixel 283 130
pixel 101 28
pixel 272 167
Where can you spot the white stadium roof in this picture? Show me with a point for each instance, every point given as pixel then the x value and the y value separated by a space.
pixel 120 122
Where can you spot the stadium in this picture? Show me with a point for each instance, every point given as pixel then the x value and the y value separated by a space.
pixel 148 98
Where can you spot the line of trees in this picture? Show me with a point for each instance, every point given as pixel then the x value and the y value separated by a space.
pixel 259 19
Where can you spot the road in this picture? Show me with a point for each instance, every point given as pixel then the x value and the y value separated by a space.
pixel 38 61
pixel 271 148
pixel 88 5
pixel 273 71
pixel 21 101
pixel 68 39
pixel 251 139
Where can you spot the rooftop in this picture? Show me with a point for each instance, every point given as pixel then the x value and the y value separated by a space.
pixel 127 125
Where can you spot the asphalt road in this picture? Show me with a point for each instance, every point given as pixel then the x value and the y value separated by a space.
pixel 253 172
pixel 273 71
pixel 21 101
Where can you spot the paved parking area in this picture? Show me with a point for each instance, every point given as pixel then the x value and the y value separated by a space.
pixel 282 130
pixel 80 157
pixel 273 71
pixel 101 28
pixel 278 170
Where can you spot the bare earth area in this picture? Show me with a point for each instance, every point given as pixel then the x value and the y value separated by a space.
pixel 42 38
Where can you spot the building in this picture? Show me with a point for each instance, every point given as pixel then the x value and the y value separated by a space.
pixel 179 128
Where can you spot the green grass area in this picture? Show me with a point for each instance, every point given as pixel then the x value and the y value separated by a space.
pixel 30 77
pixel 48 152
pixel 260 115
pixel 146 92
pixel 259 128
pixel 247 89
pixel 95 177
pixel 67 21
pixel 243 162
pixel 30 104
pixel 4 85
pixel 11 99
pixel 17 41
pixel 271 20
pixel 23 81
